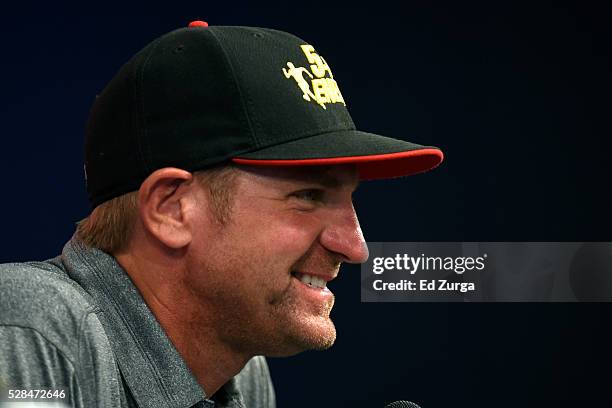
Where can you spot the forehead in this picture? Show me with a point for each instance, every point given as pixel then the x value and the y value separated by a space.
pixel 334 177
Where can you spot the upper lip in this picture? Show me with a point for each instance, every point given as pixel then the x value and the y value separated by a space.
pixel 325 276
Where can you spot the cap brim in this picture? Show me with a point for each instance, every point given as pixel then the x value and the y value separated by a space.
pixel 376 157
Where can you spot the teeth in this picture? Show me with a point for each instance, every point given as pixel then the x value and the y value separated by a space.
pixel 311 280
pixel 307 279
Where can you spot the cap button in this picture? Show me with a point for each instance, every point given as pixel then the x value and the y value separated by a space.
pixel 198 23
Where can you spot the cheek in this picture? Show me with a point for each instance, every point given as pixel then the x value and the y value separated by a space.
pixel 271 244
pixel 290 232
pixel 259 236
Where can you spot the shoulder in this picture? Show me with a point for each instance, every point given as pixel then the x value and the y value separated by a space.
pixel 39 297
pixel 255 383
pixel 50 329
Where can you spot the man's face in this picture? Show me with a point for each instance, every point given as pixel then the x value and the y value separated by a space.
pixel 286 226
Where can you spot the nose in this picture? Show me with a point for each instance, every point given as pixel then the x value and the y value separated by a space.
pixel 344 237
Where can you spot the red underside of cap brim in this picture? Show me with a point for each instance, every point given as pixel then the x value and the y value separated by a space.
pixel 371 167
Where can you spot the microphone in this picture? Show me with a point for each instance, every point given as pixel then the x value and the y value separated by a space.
pixel 402 404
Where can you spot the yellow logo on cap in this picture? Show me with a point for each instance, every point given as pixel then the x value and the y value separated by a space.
pixel 324 89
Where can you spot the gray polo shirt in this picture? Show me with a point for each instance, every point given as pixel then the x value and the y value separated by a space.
pixel 78 323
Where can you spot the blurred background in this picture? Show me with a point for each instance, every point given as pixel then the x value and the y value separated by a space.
pixel 517 95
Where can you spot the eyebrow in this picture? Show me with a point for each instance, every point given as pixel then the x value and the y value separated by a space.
pixel 326 180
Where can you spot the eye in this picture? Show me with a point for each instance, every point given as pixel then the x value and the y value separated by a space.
pixel 309 195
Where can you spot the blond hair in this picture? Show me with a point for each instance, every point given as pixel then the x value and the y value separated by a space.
pixel 110 225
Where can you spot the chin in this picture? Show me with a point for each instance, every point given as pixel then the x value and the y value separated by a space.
pixel 319 335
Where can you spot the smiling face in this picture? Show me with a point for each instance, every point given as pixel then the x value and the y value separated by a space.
pixel 287 227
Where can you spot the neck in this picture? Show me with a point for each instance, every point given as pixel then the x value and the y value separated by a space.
pixel 185 321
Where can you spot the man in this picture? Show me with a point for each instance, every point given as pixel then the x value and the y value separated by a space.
pixel 221 200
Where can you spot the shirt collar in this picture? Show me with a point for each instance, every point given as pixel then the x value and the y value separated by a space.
pixel 152 367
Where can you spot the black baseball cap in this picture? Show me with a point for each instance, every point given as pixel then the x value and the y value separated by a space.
pixel 205 95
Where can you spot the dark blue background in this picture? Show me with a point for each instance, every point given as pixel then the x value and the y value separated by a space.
pixel 518 97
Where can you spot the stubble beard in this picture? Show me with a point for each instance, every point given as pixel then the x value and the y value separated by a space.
pixel 302 327
pixel 286 326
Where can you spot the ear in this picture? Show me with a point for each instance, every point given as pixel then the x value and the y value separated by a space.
pixel 161 206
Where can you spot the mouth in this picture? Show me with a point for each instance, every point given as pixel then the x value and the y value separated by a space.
pixel 315 282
